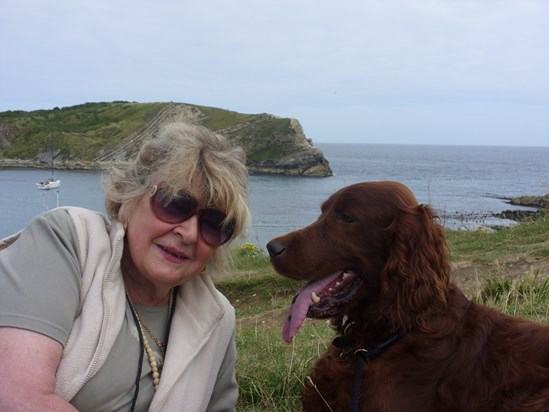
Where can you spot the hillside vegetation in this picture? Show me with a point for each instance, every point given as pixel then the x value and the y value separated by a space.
pixel 77 132
pixel 90 135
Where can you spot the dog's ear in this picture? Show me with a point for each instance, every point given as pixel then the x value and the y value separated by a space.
pixel 415 279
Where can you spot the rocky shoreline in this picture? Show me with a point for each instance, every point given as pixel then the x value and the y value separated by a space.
pixel 519 215
pixel 540 203
pixel 66 165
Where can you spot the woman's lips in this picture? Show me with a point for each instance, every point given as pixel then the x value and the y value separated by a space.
pixel 173 254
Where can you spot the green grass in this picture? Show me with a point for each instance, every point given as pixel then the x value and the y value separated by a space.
pixel 526 297
pixel 216 119
pixel 78 132
pixel 271 373
pixel 256 293
pixel 530 238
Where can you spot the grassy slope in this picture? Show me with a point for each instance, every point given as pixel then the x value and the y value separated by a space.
pixel 79 132
pixel 270 372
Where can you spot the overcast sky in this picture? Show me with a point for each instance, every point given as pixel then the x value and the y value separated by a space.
pixel 369 71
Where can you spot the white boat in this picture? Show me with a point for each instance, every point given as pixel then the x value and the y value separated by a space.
pixel 48 184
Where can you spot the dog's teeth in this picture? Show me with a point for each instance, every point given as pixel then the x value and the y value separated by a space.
pixel 315 298
pixel 346 275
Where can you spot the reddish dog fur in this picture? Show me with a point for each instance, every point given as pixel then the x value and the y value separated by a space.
pixel 455 355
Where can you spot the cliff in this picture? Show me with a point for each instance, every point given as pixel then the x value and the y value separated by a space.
pixel 92 135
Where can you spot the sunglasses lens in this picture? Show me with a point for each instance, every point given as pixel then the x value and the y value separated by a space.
pixel 177 210
pixel 212 228
pixel 183 206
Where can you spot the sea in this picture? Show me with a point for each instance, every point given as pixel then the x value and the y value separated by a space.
pixel 467 185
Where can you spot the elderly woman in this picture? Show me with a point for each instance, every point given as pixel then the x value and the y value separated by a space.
pixel 121 314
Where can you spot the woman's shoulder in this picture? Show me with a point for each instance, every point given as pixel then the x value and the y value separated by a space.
pixel 68 216
pixel 80 212
pixel 90 222
pixel 70 221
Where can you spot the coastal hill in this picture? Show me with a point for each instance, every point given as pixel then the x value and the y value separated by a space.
pixel 93 135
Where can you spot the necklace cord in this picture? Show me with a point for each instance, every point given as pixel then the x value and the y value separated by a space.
pixel 141 354
pixel 171 311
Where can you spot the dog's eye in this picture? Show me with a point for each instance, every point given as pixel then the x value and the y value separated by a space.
pixel 345 218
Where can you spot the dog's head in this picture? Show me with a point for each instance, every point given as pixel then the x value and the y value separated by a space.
pixel 374 254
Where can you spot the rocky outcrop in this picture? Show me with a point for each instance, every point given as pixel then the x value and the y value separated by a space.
pixel 308 161
pixel 541 202
pixel 278 146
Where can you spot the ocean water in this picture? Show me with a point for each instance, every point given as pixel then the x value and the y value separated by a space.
pixel 466 184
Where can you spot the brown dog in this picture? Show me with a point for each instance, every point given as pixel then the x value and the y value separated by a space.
pixel 409 339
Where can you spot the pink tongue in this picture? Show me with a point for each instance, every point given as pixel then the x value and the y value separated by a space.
pixel 301 304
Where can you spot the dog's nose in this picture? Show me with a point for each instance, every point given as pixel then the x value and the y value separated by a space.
pixel 275 248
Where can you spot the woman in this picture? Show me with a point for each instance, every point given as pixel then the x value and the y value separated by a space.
pixel 121 314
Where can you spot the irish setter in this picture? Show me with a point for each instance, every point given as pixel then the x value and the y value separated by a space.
pixel 409 340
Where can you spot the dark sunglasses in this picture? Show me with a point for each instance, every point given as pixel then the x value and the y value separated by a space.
pixel 210 221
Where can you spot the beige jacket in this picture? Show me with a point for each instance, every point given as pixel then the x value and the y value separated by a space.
pixel 198 372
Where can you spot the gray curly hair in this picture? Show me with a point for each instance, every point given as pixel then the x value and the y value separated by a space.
pixel 190 158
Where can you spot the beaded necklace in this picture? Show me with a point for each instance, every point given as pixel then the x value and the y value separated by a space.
pixel 144 343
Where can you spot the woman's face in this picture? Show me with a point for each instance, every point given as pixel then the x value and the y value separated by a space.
pixel 164 254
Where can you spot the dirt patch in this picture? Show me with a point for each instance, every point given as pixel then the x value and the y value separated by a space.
pixel 471 277
pixel 270 319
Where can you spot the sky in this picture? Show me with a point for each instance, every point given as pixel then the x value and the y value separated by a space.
pixel 465 72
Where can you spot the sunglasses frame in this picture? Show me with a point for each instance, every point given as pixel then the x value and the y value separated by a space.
pixel 210 220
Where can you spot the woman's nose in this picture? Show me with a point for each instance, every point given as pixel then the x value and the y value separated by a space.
pixel 188 230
